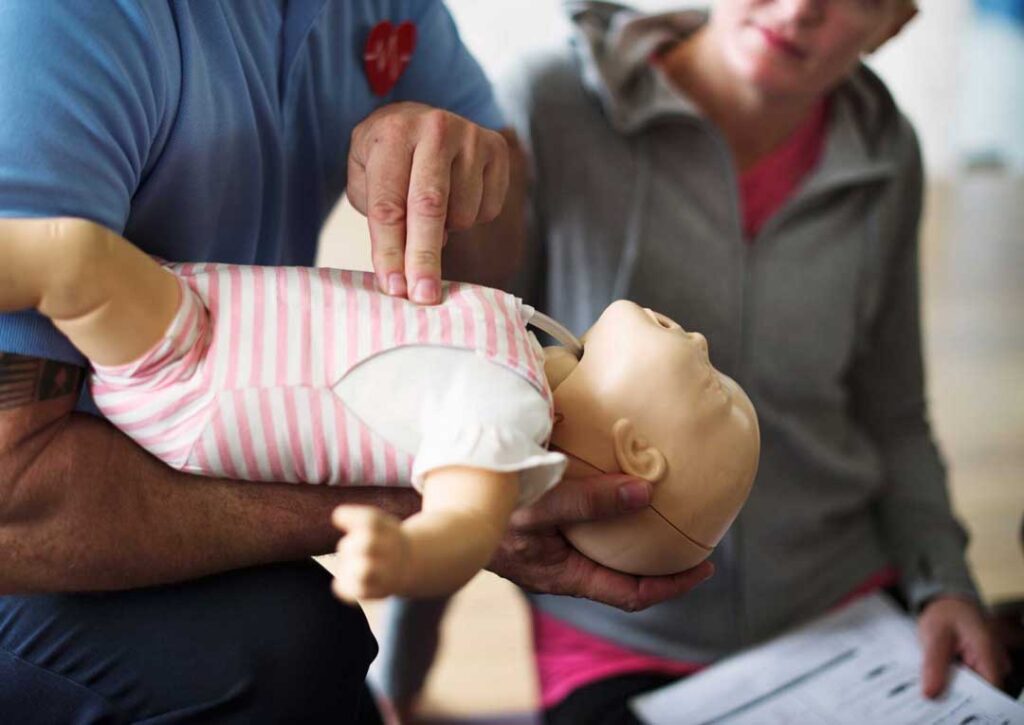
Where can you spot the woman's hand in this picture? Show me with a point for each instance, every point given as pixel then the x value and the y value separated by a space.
pixel 951 626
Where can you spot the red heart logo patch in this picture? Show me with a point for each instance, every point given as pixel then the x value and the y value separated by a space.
pixel 388 52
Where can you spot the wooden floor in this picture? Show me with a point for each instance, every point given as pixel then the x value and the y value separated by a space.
pixel 973 279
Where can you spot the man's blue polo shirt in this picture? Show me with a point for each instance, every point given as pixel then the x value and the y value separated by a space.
pixel 203 130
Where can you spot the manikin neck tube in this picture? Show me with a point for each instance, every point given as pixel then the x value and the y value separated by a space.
pixel 558 331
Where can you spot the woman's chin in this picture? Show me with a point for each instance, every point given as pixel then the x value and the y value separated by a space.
pixel 767 75
pixel 770 81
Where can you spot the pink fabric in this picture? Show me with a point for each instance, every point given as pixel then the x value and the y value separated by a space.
pixel 242 383
pixel 766 186
pixel 567 658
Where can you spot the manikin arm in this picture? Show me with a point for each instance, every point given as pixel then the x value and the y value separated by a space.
pixel 111 300
pixel 464 515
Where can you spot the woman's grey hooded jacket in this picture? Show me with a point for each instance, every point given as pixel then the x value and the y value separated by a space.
pixel 635 196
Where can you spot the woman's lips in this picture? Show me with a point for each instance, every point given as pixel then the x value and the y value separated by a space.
pixel 779 42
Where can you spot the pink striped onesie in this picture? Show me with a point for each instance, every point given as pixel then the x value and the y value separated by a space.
pixel 244 382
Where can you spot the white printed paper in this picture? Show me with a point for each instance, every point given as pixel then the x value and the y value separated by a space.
pixel 859 665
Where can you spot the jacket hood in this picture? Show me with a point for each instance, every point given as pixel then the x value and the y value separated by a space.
pixel 613 45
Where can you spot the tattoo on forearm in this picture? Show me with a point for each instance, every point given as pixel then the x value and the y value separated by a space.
pixel 25 380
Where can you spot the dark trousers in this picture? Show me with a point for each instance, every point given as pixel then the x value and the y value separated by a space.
pixel 605 702
pixel 262 645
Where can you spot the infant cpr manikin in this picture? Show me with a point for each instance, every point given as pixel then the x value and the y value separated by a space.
pixel 177 367
pixel 645 400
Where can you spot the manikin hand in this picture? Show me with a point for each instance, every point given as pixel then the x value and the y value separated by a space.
pixel 417 172
pixel 373 555
pixel 950 626
pixel 536 556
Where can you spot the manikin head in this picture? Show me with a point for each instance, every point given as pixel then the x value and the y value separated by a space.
pixel 645 400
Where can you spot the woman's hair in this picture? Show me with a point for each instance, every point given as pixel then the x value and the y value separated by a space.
pixel 909 9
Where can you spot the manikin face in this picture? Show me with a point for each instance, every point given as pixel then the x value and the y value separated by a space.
pixel 645 400
pixel 801 47
pixel 642 366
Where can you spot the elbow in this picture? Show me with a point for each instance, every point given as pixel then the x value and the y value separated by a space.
pixel 83 249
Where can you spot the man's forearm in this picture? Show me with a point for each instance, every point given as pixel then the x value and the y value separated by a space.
pixel 84 508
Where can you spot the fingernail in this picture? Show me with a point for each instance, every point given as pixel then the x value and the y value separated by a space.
pixel 634 495
pixel 396 284
pixel 425 291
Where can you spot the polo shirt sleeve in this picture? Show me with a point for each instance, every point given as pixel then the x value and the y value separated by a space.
pixel 442 72
pixel 80 103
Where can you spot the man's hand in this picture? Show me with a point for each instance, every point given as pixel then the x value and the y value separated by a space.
pixel 950 626
pixel 417 172
pixel 373 555
pixel 536 556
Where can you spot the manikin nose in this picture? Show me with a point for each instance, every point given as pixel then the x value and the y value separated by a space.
pixel 669 324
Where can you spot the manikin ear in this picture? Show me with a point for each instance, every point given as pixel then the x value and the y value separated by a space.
pixel 635 455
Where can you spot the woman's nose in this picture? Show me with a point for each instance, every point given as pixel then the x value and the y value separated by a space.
pixel 802 12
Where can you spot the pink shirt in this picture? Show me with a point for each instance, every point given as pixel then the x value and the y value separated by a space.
pixel 568 658
pixel 766 186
